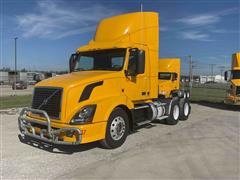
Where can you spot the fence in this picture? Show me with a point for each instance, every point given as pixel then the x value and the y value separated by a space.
pixel 213 92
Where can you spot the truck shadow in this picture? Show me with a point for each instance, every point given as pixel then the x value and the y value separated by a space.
pixel 59 149
pixel 220 106
pixel 70 149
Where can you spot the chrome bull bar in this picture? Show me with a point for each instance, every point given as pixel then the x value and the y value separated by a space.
pixel 49 134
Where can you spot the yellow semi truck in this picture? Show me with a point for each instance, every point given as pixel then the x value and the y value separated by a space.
pixel 233 76
pixel 116 84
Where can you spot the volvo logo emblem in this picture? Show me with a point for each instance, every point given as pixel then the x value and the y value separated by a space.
pixel 45 101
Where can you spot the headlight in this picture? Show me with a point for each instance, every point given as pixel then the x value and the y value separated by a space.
pixel 85 115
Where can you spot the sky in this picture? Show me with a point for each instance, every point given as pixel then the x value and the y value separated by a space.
pixel 49 31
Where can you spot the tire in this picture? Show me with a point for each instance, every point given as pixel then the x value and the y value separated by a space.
pixel 174 114
pixel 115 137
pixel 185 109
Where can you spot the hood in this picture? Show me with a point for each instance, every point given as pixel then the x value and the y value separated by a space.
pixel 77 78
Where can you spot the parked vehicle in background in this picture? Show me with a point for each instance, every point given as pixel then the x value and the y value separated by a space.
pixel 233 76
pixel 32 82
pixel 20 85
pixel 41 76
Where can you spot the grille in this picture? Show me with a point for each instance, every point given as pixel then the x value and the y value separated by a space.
pixel 238 91
pixel 49 100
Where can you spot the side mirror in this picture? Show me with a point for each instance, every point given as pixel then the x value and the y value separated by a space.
pixel 130 73
pixel 226 76
pixel 126 72
pixel 72 62
pixel 140 62
pixel 132 63
pixel 174 76
pixel 136 64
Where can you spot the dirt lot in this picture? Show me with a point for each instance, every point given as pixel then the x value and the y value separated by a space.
pixel 6 90
pixel 204 147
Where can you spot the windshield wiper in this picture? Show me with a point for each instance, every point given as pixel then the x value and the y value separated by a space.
pixel 79 69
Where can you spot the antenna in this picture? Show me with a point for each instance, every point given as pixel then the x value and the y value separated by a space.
pixel 141 7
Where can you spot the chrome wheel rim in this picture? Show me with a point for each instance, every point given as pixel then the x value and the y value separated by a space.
pixel 117 128
pixel 175 112
pixel 186 109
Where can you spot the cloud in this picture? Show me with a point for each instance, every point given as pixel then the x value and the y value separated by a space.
pixel 223 31
pixel 163 28
pixel 75 31
pixel 195 35
pixel 200 20
pixel 205 21
pixel 207 18
pixel 55 20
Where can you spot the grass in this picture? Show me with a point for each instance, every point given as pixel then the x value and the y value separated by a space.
pixel 15 101
pixel 214 93
pixel 207 95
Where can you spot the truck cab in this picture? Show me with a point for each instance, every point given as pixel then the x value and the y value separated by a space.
pixel 168 76
pixel 233 76
pixel 113 87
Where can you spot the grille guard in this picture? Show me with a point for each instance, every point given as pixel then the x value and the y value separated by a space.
pixel 49 135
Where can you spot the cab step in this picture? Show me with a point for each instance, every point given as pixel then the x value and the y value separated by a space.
pixel 143 122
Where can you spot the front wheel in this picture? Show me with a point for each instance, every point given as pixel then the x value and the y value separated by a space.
pixel 117 129
pixel 174 114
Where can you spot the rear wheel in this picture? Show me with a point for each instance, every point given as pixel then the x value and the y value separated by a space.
pixel 174 114
pixel 185 109
pixel 117 129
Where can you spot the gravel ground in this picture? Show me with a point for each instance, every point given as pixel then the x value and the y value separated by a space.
pixel 6 90
pixel 204 147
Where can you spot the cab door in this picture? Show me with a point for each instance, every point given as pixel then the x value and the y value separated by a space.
pixel 136 84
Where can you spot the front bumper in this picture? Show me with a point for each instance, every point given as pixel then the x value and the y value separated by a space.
pixel 47 134
pixel 232 100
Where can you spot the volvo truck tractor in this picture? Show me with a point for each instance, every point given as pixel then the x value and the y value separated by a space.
pixel 116 84
pixel 233 76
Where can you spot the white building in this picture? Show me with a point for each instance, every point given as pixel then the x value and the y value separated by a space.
pixel 217 79
pixel 20 76
pixel 3 77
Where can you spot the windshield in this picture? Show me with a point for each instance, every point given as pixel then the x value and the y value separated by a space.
pixel 236 74
pixel 106 60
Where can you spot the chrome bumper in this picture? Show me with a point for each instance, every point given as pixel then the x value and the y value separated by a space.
pixel 232 101
pixel 49 134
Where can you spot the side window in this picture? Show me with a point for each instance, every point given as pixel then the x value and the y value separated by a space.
pixel 164 76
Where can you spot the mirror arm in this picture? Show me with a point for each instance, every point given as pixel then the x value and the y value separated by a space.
pixel 126 73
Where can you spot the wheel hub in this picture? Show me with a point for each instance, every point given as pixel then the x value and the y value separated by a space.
pixel 117 129
pixel 186 109
pixel 175 112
